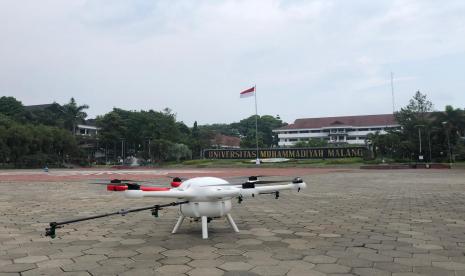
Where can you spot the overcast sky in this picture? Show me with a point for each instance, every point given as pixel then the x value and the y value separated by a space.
pixel 307 58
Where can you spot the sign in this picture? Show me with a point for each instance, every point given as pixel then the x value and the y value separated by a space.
pixel 291 153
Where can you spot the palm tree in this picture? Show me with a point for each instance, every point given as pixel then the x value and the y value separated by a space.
pixel 74 114
pixel 454 118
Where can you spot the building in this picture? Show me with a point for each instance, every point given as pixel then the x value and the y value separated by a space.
pixel 225 142
pixel 342 130
pixel 86 130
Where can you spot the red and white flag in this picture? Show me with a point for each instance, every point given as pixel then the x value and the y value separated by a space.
pixel 248 92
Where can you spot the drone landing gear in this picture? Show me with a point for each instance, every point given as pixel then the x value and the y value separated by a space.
pixel 205 220
pixel 233 224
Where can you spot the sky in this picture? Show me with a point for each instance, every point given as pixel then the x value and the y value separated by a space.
pixel 306 58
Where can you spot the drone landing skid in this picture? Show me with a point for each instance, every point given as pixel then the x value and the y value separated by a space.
pixel 204 225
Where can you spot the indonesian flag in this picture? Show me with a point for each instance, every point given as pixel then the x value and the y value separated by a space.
pixel 248 92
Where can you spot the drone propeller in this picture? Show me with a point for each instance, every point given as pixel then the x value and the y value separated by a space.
pixel 176 178
pixel 251 184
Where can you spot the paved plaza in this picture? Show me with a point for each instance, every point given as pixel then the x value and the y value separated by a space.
pixel 347 222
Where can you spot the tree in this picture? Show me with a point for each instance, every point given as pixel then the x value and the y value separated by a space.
pixel 74 114
pixel 9 106
pixel 266 124
pixel 417 114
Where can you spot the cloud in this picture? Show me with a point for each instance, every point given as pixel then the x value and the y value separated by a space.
pixel 308 58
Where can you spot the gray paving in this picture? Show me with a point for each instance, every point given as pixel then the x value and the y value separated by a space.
pixel 345 223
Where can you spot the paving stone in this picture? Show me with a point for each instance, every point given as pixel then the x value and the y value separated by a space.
pixel 450 265
pixel 79 266
pixel 232 266
pixel 413 261
pixel 205 263
pixel 205 272
pixel 108 270
pixel 355 262
pixel 150 249
pixel 173 269
pixel 370 222
pixel 54 263
pixel 43 271
pixel 320 259
pixel 239 273
pixel 375 257
pixel 30 259
pixel 139 272
pixel 392 267
pixel 370 272
pixel 299 272
pixel 16 268
pixel 270 270
pixel 175 253
pixel 332 268
pixel 428 246
pixel 175 260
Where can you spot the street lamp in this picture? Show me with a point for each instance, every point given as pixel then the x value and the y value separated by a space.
pixel 446 123
pixel 420 157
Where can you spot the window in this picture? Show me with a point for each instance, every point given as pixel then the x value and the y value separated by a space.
pixel 304 131
pixel 363 129
pixel 316 131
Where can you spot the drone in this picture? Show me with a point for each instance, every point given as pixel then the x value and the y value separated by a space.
pixel 199 198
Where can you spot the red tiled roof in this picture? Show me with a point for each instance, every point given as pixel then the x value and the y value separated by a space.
pixel 224 140
pixel 358 121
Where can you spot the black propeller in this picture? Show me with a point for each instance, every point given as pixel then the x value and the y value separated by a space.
pixel 126 182
pixel 176 178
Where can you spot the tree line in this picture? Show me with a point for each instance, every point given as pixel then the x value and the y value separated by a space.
pixel 35 136
pixel 424 134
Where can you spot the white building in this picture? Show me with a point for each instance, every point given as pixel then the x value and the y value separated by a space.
pixel 86 130
pixel 344 129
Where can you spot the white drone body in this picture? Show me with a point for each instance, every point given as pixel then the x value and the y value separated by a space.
pixel 210 197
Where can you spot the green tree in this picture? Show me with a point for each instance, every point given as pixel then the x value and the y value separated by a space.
pixel 417 114
pixel 74 114
pixel 265 123
pixel 9 106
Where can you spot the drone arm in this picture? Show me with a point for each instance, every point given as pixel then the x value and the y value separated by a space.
pixel 167 194
pixel 275 188
pixel 51 231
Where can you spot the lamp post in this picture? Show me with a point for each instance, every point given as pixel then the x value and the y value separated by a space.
pixel 122 149
pixel 429 145
pixel 448 142
pixel 420 157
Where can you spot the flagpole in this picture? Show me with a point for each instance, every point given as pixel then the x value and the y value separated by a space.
pixel 257 161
